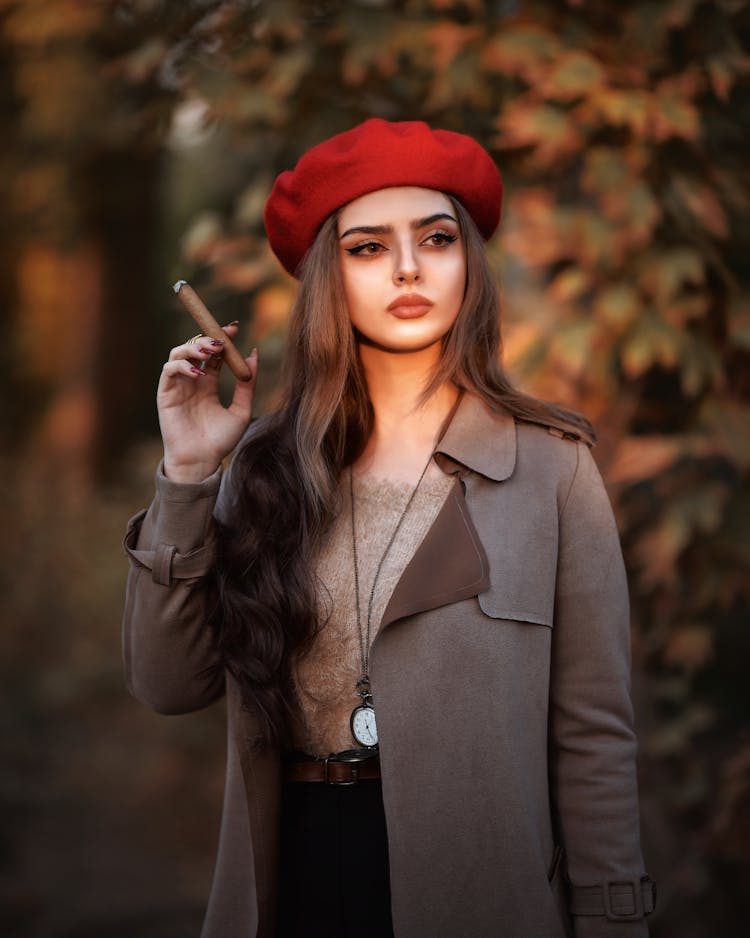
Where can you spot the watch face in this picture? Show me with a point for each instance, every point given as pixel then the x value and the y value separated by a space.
pixel 364 729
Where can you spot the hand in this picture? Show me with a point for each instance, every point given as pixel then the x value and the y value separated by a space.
pixel 196 428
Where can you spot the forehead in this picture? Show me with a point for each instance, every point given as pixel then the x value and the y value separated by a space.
pixel 389 206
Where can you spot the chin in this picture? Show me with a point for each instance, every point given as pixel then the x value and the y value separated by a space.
pixel 410 349
pixel 401 346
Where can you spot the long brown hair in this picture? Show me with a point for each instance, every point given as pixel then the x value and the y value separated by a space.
pixel 284 480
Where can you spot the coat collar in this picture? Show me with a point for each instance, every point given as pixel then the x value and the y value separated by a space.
pixel 450 564
pixel 478 439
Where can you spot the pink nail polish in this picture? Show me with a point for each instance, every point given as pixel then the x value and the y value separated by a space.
pixel 197 371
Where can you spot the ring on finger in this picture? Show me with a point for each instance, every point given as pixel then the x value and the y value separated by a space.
pixel 194 339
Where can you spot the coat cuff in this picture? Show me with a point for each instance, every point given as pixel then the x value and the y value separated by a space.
pixel 174 538
pixel 186 491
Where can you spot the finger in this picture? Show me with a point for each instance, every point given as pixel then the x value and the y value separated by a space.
pixel 244 391
pixel 201 349
pixel 181 368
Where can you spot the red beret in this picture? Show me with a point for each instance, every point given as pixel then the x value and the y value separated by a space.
pixel 375 155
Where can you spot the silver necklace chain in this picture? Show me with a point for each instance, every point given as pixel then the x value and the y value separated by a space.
pixel 363 684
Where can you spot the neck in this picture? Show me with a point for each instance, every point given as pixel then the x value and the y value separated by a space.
pixel 405 428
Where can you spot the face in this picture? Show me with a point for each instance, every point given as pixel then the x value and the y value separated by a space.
pixel 404 267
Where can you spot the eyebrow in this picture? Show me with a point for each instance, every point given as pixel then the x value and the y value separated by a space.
pixel 388 229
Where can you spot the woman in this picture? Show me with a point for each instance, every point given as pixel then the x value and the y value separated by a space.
pixel 407 538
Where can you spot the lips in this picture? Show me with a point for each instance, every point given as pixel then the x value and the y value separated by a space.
pixel 410 306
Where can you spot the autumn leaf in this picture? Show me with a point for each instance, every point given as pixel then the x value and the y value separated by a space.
pixel 664 274
pixel 550 130
pixel 703 204
pixel 635 203
pixel 650 342
pixel 644 457
pixel 447 40
pixel 617 305
pixel 460 82
pixel 572 346
pixel 573 75
pixel 657 551
pixel 687 308
pixel 618 107
pixel 672 114
pixel 523 50
pixel 372 43
pixel 605 168
pixel 699 366
pixel 721 77
pixel 593 240
pixel 288 70
pixel 570 284
pixel 280 19
pixel 702 507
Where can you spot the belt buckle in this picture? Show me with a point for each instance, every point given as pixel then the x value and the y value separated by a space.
pixel 344 784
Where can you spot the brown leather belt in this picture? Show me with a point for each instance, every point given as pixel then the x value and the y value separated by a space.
pixel 342 768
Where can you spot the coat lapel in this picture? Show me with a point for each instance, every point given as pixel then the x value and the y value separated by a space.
pixel 450 564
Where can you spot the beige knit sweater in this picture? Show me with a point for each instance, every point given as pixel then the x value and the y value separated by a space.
pixel 326 676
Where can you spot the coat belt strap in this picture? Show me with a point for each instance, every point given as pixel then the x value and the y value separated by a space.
pixel 620 900
pixel 166 564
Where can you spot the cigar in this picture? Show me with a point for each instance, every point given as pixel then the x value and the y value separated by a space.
pixel 209 327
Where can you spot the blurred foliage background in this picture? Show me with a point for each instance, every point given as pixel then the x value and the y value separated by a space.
pixel 140 139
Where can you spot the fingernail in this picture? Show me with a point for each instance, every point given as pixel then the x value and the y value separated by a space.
pixel 254 351
pixel 197 371
pixel 234 322
pixel 217 342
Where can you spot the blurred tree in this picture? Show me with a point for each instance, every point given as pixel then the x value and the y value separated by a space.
pixel 623 136
pixel 87 118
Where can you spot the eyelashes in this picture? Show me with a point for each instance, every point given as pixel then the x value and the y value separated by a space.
pixel 442 238
pixel 438 239
pixel 364 249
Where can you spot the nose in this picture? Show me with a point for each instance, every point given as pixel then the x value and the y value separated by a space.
pixel 406 269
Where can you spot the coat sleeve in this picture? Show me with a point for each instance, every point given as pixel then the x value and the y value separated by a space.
pixel 169 651
pixel 592 741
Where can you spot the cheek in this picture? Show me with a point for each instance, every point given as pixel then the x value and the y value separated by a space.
pixel 455 283
pixel 359 288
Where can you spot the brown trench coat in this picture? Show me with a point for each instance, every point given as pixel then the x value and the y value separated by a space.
pixel 500 675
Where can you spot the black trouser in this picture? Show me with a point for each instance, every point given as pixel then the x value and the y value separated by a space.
pixel 334 862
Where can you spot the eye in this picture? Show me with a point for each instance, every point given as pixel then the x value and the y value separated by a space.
pixel 366 249
pixel 439 239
